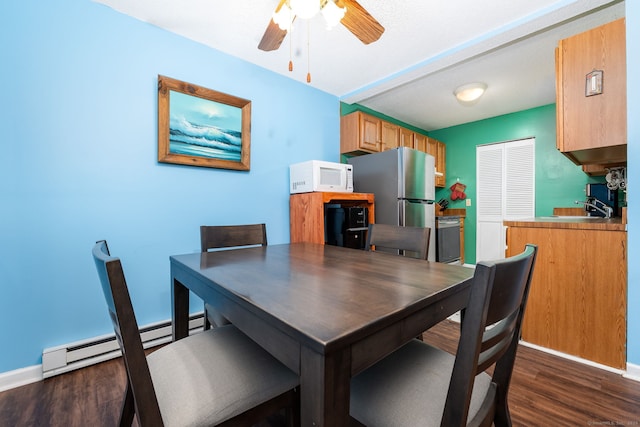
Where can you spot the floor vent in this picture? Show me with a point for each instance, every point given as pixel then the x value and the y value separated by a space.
pixel 65 358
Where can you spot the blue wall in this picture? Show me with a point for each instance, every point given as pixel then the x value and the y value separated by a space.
pixel 78 164
pixel 633 175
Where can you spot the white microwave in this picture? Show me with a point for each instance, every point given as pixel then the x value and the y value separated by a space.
pixel 316 175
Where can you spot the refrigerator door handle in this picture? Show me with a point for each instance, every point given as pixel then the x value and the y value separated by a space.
pixel 424 202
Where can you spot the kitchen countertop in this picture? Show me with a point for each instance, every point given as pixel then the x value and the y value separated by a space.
pixel 568 222
pixel 462 213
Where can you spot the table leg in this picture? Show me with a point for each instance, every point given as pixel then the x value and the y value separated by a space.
pixel 180 310
pixel 325 382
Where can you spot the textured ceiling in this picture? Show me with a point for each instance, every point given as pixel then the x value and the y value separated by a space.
pixel 427 50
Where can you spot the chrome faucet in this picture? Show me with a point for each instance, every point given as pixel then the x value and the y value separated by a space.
pixel 606 210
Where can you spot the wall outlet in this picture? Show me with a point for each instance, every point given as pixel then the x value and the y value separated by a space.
pixel 468 201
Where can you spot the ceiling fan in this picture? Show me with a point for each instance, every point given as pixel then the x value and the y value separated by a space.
pixel 356 19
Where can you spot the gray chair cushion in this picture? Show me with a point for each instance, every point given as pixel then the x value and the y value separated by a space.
pixel 409 388
pixel 214 375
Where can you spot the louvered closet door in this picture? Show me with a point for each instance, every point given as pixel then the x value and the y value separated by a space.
pixel 506 191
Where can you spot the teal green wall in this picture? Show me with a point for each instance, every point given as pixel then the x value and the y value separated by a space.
pixel 558 181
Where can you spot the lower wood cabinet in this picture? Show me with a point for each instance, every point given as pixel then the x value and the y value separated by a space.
pixel 461 240
pixel 577 303
pixel 306 212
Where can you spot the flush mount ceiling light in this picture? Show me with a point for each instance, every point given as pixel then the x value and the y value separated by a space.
pixel 470 93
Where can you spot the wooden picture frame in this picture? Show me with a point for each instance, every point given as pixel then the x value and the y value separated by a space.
pixel 202 127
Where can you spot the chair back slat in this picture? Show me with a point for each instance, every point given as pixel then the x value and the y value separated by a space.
pixel 408 241
pixel 227 236
pixel 489 336
pixel 222 237
pixel 121 312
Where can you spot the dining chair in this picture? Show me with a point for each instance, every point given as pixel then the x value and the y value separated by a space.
pixel 217 377
pixel 410 241
pixel 228 237
pixel 422 385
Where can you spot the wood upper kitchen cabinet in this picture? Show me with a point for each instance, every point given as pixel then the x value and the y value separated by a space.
pixel 432 147
pixel 420 142
pixel 390 136
pixel 438 150
pixel 441 161
pixel 591 96
pixel 360 132
pixel 577 300
pixel 406 138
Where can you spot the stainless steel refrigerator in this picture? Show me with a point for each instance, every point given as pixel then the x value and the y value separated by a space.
pixel 403 182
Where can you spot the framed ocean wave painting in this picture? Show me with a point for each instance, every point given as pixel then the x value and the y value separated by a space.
pixel 202 127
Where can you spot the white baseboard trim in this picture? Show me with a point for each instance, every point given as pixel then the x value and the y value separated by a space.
pixel 633 372
pixel 20 377
pixel 573 358
pixel 31 374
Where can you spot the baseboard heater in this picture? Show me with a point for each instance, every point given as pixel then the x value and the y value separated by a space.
pixel 68 357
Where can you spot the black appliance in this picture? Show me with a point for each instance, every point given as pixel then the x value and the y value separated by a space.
pixel 603 194
pixel 448 239
pixel 346 226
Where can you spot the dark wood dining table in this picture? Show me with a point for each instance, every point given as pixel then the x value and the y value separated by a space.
pixel 324 311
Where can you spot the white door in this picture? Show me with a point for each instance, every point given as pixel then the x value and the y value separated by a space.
pixel 505 177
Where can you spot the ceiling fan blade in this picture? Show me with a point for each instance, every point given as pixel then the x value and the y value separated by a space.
pixel 359 22
pixel 272 38
pixel 273 35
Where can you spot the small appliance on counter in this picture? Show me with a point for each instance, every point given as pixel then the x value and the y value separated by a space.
pixel 346 226
pixel 602 193
pixel 317 175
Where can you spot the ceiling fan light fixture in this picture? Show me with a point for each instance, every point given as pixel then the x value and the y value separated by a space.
pixel 284 17
pixel 305 9
pixel 470 93
pixel 332 13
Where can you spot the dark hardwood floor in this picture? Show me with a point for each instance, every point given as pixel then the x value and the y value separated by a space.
pixel 546 391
